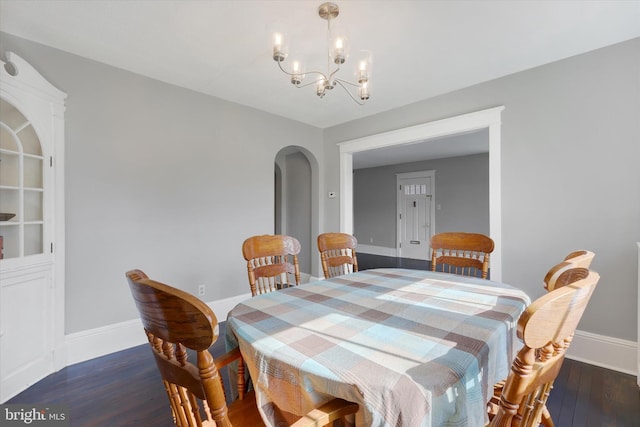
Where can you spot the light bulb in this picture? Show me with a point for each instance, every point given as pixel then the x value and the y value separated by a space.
pixel 279 47
pixel 339 48
pixel 297 73
pixel 364 91
pixel 363 74
pixel 320 87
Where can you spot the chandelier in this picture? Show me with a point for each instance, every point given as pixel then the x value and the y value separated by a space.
pixel 338 52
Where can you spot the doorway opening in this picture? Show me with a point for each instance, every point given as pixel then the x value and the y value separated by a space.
pixel 490 119
pixel 296 189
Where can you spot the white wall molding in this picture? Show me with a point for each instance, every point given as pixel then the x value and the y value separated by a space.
pixel 604 351
pixel 489 118
pixel 92 343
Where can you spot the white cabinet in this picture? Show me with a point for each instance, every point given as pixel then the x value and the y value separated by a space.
pixel 31 226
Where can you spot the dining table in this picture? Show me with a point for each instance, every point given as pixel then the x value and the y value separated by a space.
pixel 411 347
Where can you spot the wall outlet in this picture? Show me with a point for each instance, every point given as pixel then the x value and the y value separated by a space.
pixel 201 289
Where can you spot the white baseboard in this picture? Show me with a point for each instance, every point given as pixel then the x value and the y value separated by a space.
pixel 86 345
pixel 98 342
pixel 376 250
pixel 607 352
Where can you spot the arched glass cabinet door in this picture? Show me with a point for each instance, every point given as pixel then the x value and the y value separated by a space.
pixel 21 185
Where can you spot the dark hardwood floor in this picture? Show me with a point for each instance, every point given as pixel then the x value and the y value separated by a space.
pixel 367 261
pixel 117 390
pixel 124 389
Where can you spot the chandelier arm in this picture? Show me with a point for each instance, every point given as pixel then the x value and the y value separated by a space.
pixel 301 73
pixel 333 73
pixel 316 72
pixel 340 82
pixel 285 71
pixel 307 84
pixel 347 82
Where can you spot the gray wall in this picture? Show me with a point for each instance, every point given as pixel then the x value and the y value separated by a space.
pixel 570 175
pixel 461 190
pixel 158 178
pixel 171 181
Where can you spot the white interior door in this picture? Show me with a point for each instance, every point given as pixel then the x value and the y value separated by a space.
pixel 415 214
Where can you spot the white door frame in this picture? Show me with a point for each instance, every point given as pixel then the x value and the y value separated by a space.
pixel 432 215
pixel 489 118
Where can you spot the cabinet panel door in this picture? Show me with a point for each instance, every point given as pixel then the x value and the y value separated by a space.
pixel 25 354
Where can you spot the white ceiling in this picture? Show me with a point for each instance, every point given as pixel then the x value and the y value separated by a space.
pixel 420 48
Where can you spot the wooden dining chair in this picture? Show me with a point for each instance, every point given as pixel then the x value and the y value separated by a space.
pixel 546 329
pixel 574 267
pixel 337 254
pixel 271 261
pixel 562 273
pixel 175 321
pixel 461 253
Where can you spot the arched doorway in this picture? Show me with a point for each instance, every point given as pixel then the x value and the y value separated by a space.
pixel 296 203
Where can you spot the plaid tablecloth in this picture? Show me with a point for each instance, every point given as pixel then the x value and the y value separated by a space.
pixel 411 347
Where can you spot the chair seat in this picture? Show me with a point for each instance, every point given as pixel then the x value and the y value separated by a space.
pixel 245 412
